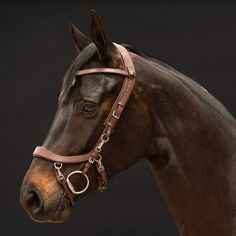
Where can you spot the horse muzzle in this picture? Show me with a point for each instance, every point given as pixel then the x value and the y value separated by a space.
pixel 43 198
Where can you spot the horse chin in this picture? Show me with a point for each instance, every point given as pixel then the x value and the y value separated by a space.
pixel 59 217
pixel 62 212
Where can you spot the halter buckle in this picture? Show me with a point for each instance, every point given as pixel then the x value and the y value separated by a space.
pixel 115 116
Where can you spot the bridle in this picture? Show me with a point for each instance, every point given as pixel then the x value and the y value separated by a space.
pixel 94 156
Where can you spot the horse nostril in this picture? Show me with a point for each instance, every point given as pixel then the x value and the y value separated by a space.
pixel 34 202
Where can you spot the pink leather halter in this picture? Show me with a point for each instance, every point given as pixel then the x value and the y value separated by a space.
pixel 94 155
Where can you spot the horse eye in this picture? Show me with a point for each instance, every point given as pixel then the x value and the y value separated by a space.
pixel 88 107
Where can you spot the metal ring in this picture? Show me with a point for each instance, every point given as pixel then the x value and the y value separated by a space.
pixel 104 138
pixel 91 160
pixel 100 158
pixel 70 185
pixel 57 165
pixel 95 160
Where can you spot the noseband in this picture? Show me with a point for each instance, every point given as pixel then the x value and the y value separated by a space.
pixel 94 156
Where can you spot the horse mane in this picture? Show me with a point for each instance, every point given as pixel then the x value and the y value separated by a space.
pixel 196 88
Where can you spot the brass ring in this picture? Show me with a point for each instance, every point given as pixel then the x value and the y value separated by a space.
pixel 70 185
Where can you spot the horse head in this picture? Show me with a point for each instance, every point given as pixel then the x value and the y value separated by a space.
pixel 84 103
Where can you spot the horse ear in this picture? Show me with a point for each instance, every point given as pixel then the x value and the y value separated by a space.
pixel 80 39
pixel 106 48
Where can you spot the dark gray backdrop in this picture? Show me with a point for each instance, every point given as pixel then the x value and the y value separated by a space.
pixel 36 49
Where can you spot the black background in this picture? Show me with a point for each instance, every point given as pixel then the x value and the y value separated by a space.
pixel 197 38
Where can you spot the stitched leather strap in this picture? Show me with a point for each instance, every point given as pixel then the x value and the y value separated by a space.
pixel 43 153
pixel 102 70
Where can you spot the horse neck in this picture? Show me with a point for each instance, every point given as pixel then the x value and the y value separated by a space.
pixel 192 153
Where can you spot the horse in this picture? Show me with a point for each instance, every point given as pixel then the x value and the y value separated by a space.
pixel 187 137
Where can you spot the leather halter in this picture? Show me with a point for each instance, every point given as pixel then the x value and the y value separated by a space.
pixel 94 156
